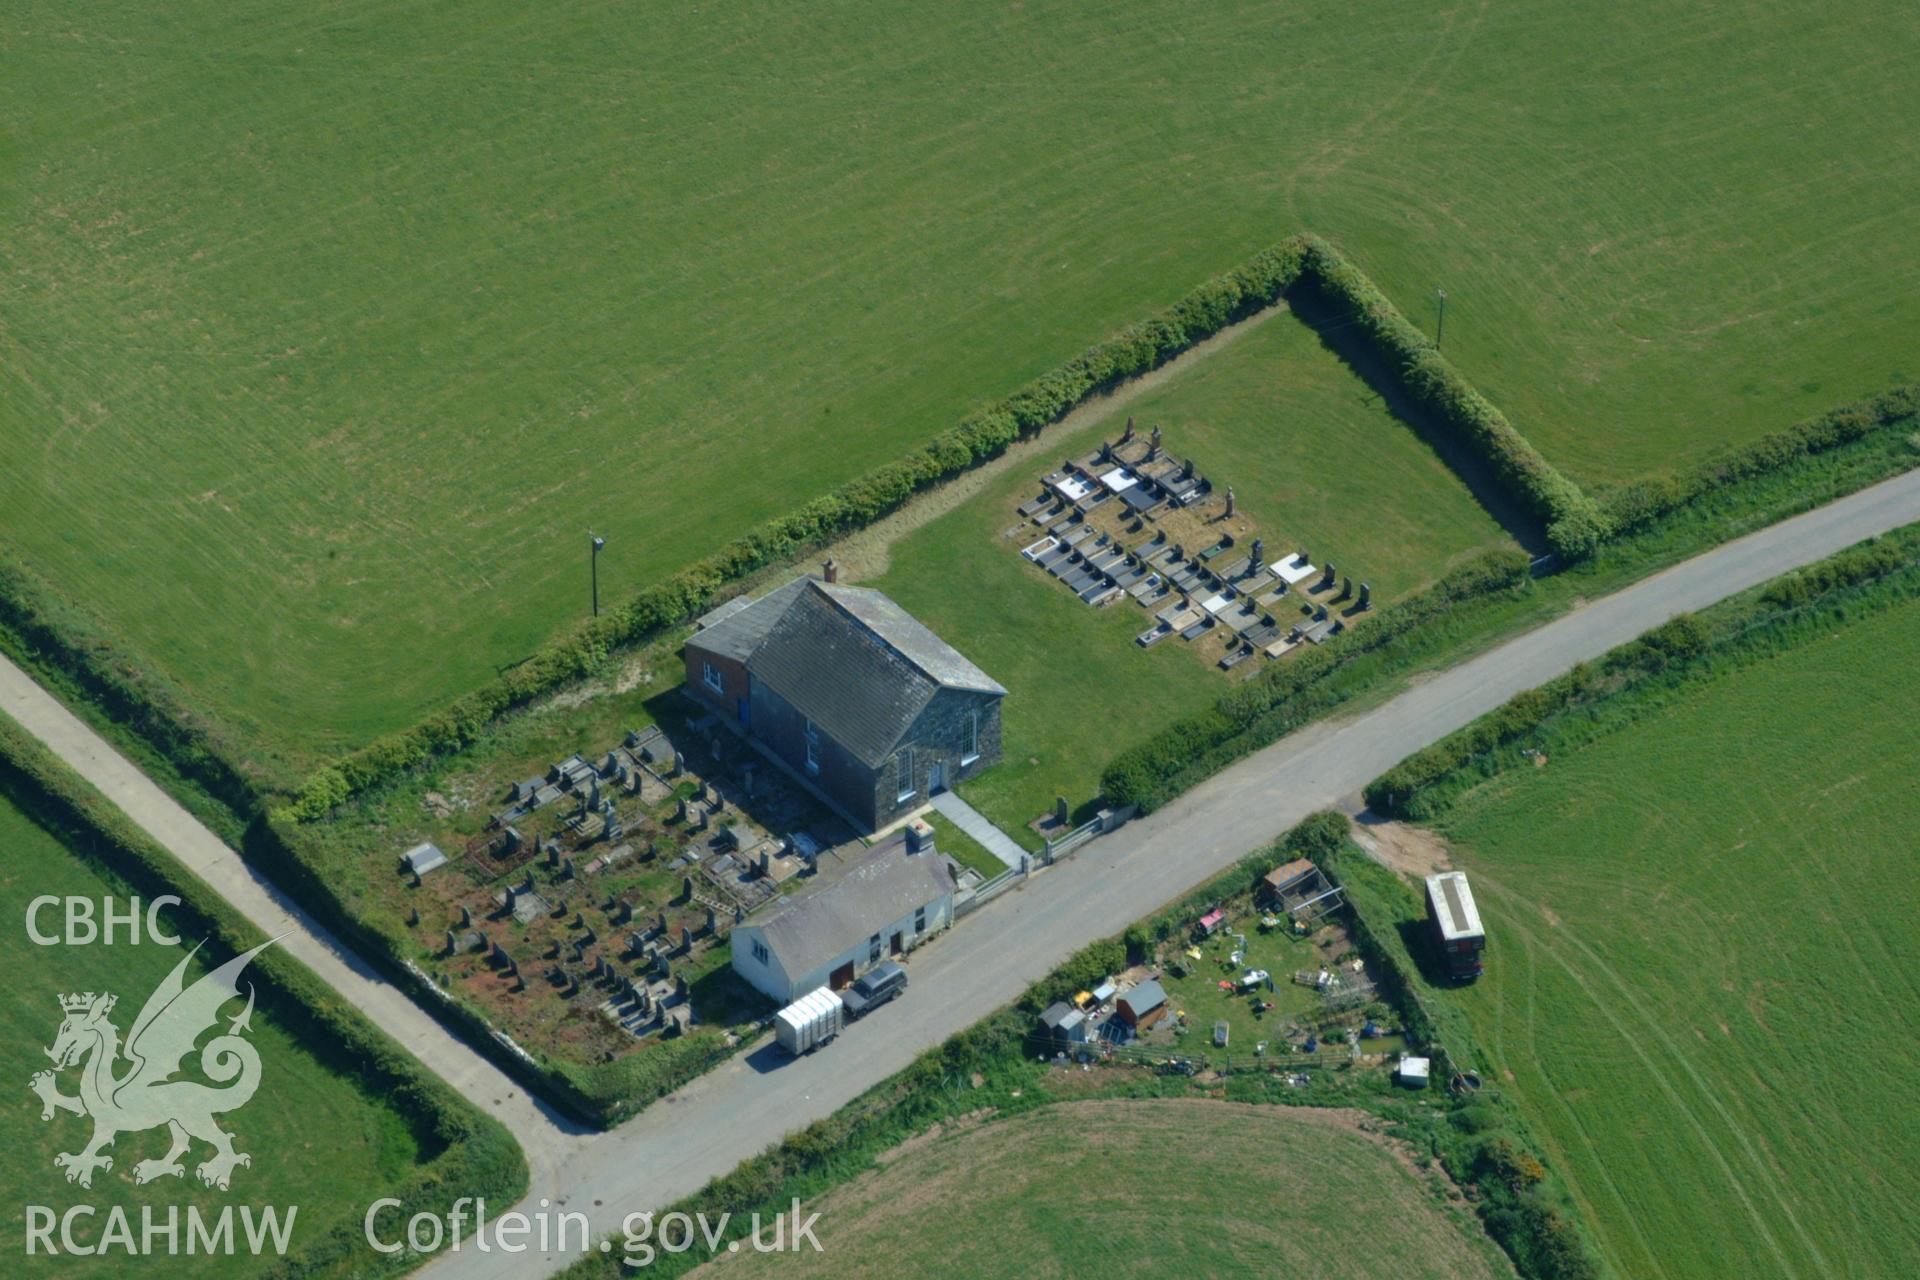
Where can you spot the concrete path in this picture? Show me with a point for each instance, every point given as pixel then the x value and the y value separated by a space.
pixel 749 1102
pixel 970 820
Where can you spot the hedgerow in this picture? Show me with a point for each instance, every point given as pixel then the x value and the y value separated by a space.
pixel 1633 506
pixel 1683 648
pixel 1288 693
pixel 50 633
pixel 1574 522
pixel 1258 283
pixel 1521 1209
pixel 467 1152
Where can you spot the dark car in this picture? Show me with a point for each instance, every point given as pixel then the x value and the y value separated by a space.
pixel 882 983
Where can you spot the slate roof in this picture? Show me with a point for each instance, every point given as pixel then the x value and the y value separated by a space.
pixel 848 658
pixel 909 637
pixel 736 628
pixel 888 886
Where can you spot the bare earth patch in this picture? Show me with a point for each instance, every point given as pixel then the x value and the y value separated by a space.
pixel 1409 850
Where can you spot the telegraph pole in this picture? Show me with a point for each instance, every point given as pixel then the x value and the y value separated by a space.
pixel 594 557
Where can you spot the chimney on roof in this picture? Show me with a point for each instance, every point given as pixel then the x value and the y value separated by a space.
pixel 919 836
pixel 830 571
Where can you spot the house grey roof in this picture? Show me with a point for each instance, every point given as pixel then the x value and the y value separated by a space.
pixel 848 658
pixel 887 886
pixel 737 627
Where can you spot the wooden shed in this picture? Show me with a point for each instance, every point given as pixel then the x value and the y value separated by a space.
pixel 1142 1006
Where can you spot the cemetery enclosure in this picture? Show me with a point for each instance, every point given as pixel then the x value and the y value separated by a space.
pixel 1314 460
pixel 1693 913
pixel 359 410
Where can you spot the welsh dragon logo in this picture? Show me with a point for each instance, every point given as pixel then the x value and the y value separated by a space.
pixel 143 1095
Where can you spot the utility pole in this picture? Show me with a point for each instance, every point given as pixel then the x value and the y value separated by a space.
pixel 594 557
pixel 1440 330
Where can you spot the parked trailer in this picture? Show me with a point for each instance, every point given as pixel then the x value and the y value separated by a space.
pixel 810 1021
pixel 1456 924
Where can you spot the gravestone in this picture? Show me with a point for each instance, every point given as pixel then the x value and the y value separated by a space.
pixel 1366 596
pixel 1346 588
pixel 1153 443
pixel 1060 811
pixel 1128 437
pixel 1229 500
pixel 1186 469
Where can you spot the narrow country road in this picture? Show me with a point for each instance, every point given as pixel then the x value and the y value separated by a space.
pixel 735 1111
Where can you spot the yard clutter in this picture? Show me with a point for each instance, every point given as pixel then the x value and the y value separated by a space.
pixel 1221 985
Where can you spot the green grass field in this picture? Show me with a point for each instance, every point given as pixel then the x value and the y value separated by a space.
pixel 327 335
pixel 1256 414
pixel 316 1142
pixel 1143 1188
pixel 1700 979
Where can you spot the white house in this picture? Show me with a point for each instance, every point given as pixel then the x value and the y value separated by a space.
pixel 897 897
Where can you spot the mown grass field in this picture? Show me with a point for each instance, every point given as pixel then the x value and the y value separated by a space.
pixel 1142 1188
pixel 1315 459
pixel 1701 965
pixel 327 335
pixel 316 1142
